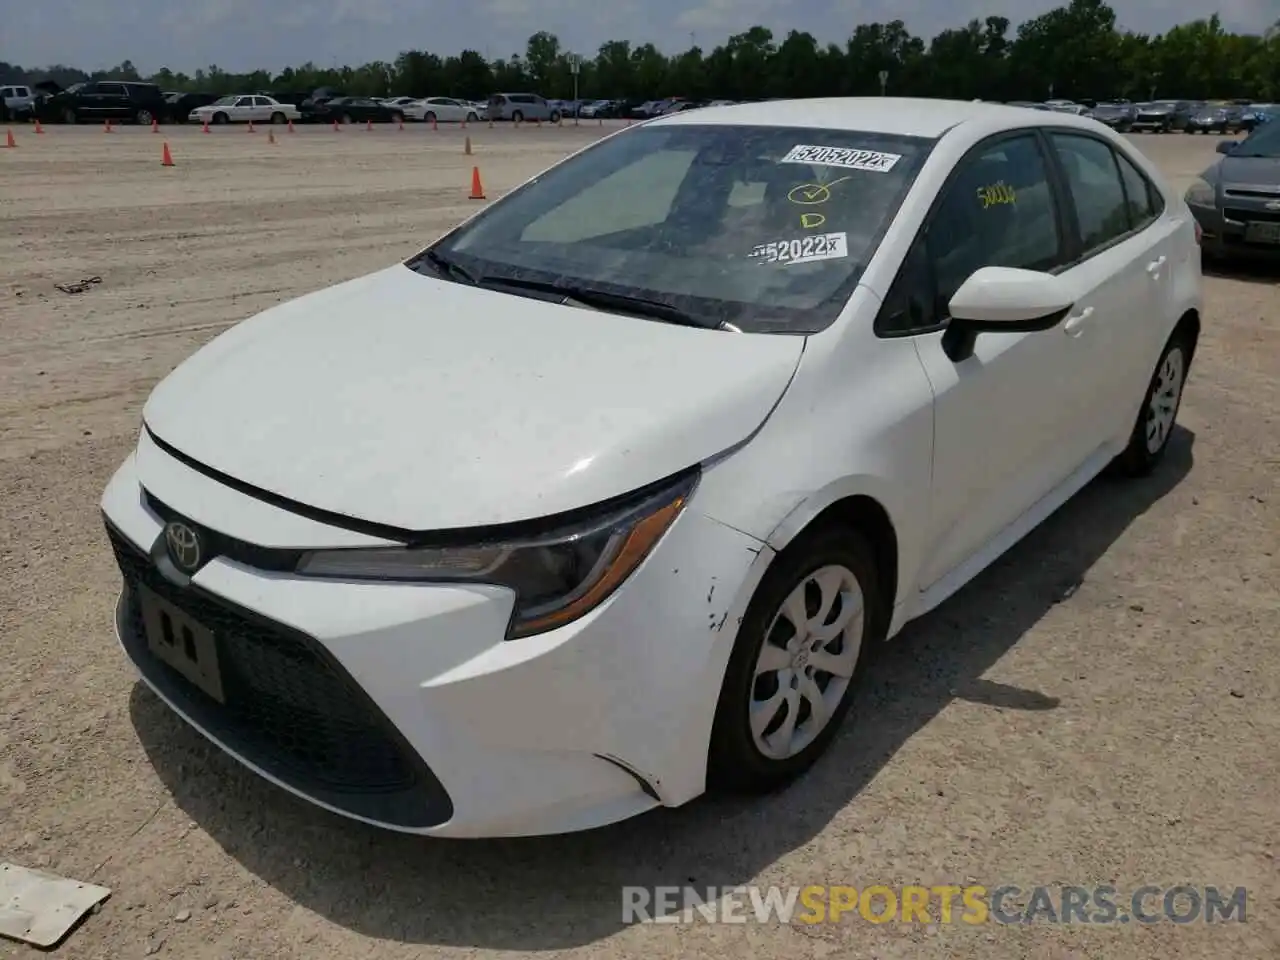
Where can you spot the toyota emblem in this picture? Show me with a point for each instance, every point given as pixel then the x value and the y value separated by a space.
pixel 184 545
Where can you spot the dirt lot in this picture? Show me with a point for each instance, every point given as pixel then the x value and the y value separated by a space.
pixel 1101 707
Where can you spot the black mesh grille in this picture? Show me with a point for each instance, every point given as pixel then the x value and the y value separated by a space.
pixel 1248 216
pixel 290 708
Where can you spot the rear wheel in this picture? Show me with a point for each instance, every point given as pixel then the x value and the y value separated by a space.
pixel 429 117
pixel 517 116
pixel 346 118
pixel 278 118
pixel 1150 437
pixel 555 116
pixel 472 117
pixel 790 678
pixel 397 117
pixel 143 118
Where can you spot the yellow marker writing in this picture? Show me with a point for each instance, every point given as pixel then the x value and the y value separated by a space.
pixel 812 194
pixel 811 220
pixel 996 194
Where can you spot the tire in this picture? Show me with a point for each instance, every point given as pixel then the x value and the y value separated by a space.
pixel 1159 412
pixel 397 118
pixel 555 116
pixel 346 118
pixel 736 761
pixel 279 119
pixel 220 118
pixel 473 117
pixel 143 118
pixel 69 116
pixel 517 116
pixel 429 117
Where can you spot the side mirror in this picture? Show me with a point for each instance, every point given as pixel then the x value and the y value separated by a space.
pixel 1003 299
pixel 1227 147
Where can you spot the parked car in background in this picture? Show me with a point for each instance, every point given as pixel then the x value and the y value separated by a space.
pixel 1236 202
pixel 178 106
pixel 357 110
pixel 1117 116
pixel 1067 106
pixel 398 102
pixel 1028 104
pixel 1257 114
pixel 1216 119
pixel 246 109
pixel 101 100
pixel 1162 116
pixel 520 107
pixel 441 109
pixel 19 101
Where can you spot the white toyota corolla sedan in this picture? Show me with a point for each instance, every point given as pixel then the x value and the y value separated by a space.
pixel 602 499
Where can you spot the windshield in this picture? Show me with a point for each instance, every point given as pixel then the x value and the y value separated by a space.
pixel 765 228
pixel 1263 142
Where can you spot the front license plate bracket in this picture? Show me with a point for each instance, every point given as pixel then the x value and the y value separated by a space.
pixel 181 642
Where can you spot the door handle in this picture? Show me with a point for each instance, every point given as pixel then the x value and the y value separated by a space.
pixel 1154 266
pixel 1075 323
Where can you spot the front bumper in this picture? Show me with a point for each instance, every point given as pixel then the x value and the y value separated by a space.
pixel 401 705
pixel 1224 236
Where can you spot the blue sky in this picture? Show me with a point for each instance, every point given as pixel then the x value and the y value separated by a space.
pixel 244 34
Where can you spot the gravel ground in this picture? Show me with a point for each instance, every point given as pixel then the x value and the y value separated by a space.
pixel 1100 707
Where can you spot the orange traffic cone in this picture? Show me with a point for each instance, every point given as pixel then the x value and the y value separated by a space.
pixel 434 125
pixel 204 127
pixel 401 125
pixel 39 128
pixel 477 190
pixel 106 126
pixel 166 158
pixel 9 141
pixel 251 130
pixel 599 121
pixel 466 147
pixel 291 130
pixel 491 124
pixel 368 124
pixel 155 125
pixel 336 128
pixel 271 136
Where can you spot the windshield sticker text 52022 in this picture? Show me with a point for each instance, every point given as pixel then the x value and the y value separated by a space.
pixel 821 246
pixel 846 158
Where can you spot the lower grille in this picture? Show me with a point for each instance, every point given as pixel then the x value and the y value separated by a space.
pixel 290 709
pixel 1247 216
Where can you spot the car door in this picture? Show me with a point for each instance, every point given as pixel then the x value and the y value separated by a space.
pixel 1007 418
pixel 1123 264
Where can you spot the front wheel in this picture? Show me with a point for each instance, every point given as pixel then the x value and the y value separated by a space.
pixel 69 116
pixel 801 642
pixel 346 118
pixel 555 116
pixel 472 117
pixel 143 118
pixel 1150 437
pixel 397 118
pixel 220 118
pixel 517 116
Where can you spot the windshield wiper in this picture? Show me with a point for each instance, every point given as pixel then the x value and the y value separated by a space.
pixel 451 267
pixel 602 300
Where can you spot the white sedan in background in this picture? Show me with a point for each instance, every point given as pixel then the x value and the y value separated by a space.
pixel 442 110
pixel 245 109
pixel 598 503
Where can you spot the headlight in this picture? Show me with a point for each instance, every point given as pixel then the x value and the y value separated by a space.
pixel 1201 193
pixel 557 575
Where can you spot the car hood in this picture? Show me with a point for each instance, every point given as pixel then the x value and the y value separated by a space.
pixel 405 400
pixel 1261 172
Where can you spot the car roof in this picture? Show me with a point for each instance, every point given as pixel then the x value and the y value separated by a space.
pixel 901 116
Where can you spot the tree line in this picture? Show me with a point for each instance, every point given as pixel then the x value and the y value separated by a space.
pixel 1072 52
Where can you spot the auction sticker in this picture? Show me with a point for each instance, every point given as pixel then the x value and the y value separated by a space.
pixel 821 246
pixel 846 158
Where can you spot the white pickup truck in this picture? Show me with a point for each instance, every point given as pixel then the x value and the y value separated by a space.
pixel 19 101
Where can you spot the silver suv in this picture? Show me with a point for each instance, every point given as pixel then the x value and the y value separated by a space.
pixel 521 107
